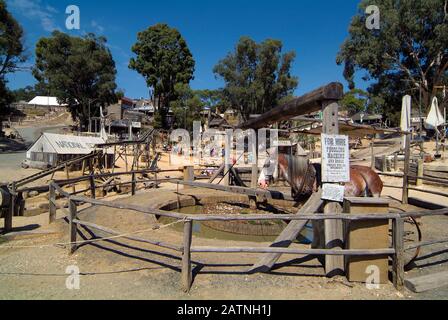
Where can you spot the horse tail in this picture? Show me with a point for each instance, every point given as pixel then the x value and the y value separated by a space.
pixel 374 183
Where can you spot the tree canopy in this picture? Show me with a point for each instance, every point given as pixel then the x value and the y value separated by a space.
pixel 408 51
pixel 11 51
pixel 78 70
pixel 165 61
pixel 257 76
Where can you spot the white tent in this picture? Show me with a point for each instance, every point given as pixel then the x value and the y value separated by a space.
pixel 406 117
pixel 435 117
pixel 45 101
pixel 50 147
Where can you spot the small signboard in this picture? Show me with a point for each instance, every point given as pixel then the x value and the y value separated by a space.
pixel 333 192
pixel 335 158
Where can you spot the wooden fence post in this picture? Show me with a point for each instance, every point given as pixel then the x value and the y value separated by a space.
pixel 133 185
pixel 396 162
pixel 9 214
pixel 398 262
pixel 254 177
pixel 187 276
pixel 73 228
pixel 420 172
pixel 92 186
pixel 52 203
pixel 407 161
pixel 334 233
pixel 188 174
pixel 372 151
pixel 384 164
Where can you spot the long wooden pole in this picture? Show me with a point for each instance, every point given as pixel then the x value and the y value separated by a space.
pixel 187 276
pixel 305 104
pixel 52 204
pixel 73 229
pixel 334 234
pixel 398 261
pixel 407 161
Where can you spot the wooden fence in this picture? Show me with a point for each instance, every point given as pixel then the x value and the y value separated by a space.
pixel 187 249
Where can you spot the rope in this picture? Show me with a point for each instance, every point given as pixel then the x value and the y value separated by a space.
pixel 93 240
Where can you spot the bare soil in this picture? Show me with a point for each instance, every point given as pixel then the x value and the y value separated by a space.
pixel 121 269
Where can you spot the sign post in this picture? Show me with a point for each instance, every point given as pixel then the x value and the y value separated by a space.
pixel 335 170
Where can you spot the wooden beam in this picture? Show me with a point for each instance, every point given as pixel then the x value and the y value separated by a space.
pixel 305 104
pixel 332 252
pixel 398 260
pixel 187 276
pixel 73 229
pixel 52 204
pixel 291 232
pixel 334 234
pixel 407 161
pixel 428 282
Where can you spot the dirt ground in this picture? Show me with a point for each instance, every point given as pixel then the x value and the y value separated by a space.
pixel 121 269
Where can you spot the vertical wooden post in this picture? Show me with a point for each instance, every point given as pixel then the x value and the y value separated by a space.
pixel 52 203
pixel 383 164
pixel 133 185
pixel 420 172
pixel 372 149
pixel 126 157
pixel 9 215
pixel 226 179
pixel 407 160
pixel 187 276
pixel 398 262
pixel 334 233
pixel 92 186
pixel 188 174
pixel 83 169
pixel 254 177
pixel 115 159
pixel 67 173
pixel 73 228
pixel 396 162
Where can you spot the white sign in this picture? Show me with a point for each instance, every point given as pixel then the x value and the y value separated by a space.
pixel 335 158
pixel 333 192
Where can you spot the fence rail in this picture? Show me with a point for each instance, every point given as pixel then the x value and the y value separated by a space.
pixel 187 249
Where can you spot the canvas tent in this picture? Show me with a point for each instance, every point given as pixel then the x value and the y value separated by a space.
pixel 53 148
pixel 45 101
pixel 435 118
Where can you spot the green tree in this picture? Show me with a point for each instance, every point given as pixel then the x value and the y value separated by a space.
pixel 80 71
pixel 355 101
pixel 11 52
pixel 29 92
pixel 408 51
pixel 257 76
pixel 187 107
pixel 165 61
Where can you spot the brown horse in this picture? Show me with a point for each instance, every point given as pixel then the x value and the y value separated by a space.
pixel 305 178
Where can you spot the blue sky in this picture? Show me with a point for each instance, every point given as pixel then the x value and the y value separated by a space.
pixel 314 29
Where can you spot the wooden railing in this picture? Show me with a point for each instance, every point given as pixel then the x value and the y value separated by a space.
pixel 187 249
